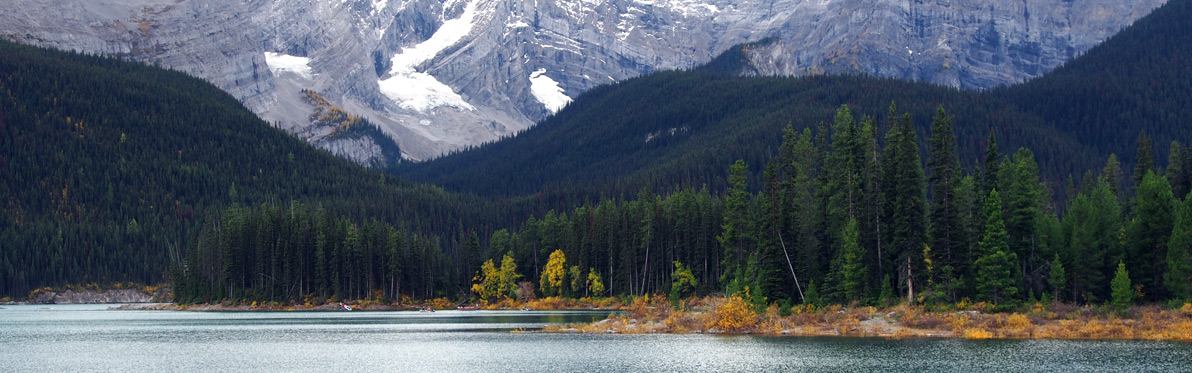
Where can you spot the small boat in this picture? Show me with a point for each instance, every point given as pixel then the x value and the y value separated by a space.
pixel 426 309
pixel 345 307
pixel 527 309
pixel 467 308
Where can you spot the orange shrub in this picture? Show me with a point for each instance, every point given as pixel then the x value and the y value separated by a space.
pixel 440 303
pixel 977 334
pixel 734 315
pixel 1019 326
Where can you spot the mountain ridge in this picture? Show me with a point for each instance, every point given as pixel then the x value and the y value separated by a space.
pixel 1037 114
pixel 439 75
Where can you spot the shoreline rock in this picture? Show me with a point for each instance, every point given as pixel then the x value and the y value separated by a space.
pixel 70 296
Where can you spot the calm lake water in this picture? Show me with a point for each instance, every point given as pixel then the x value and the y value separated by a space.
pixel 92 338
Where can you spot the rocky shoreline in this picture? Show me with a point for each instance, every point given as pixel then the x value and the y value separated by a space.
pixel 99 296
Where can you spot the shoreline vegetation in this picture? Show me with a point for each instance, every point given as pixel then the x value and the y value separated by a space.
pixel 1040 320
pixel 734 315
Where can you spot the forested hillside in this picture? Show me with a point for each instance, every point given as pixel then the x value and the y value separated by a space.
pixel 838 218
pixel 111 167
pixel 863 189
pixel 677 128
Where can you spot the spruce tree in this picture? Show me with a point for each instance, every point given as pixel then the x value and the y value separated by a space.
pixel 1023 198
pixel 970 221
pixel 1123 292
pixel 945 221
pixel 993 159
pixel 1179 254
pixel 1149 232
pixel 1057 277
pixel 843 186
pixel 1177 172
pixel 905 199
pixel 772 278
pixel 1145 158
pixel 805 248
pixel 1112 175
pixel 886 295
pixel 853 271
pixel 734 232
pixel 871 224
pixel 994 278
pixel 844 169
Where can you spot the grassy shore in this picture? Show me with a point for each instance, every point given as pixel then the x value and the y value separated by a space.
pixel 733 315
pixel 1055 320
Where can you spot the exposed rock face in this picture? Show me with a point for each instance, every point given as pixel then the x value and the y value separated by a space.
pixel 96 297
pixel 438 75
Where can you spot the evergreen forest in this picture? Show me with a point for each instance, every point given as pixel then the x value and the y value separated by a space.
pixel 826 189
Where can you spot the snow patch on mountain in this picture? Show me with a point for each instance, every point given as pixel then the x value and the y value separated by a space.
pixel 420 91
pixel 279 63
pixel 378 5
pixel 547 91
pixel 687 8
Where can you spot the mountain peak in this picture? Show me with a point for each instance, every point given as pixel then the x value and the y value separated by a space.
pixel 440 75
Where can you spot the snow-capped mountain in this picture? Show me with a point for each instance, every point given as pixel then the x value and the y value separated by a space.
pixel 440 75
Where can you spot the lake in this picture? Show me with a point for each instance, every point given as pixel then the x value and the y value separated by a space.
pixel 57 338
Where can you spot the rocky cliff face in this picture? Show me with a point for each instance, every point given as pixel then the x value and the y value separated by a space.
pixel 438 75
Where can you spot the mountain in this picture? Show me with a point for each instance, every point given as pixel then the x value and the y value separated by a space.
pixel 685 127
pixel 111 167
pixel 441 75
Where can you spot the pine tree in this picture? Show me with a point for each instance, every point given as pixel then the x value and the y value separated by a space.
pixel 994 279
pixel 1123 292
pixel 1179 254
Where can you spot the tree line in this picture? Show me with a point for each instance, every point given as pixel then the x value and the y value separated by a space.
pixel 843 215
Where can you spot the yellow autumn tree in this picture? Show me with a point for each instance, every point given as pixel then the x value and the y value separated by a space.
pixel 485 283
pixel 552 275
pixel 595 284
pixel 494 283
pixel 507 278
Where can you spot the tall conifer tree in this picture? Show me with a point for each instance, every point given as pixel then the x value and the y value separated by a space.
pixel 906 201
pixel 1145 159
pixel 995 267
pixel 734 235
pixel 945 227
pixel 1149 233
pixel 1179 254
